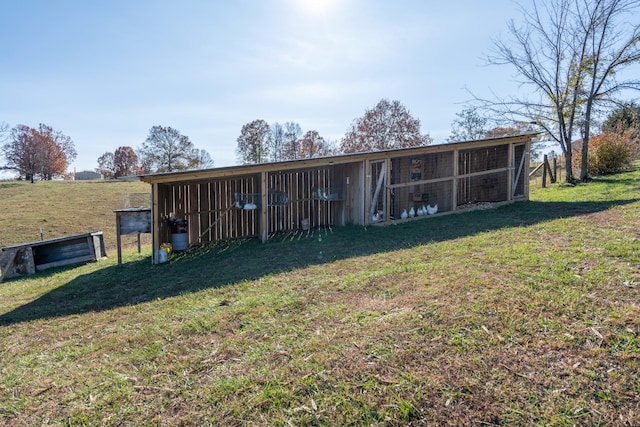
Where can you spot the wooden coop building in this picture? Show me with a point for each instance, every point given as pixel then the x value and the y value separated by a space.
pixel 379 187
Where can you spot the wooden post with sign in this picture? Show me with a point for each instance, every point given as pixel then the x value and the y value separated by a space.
pixel 131 221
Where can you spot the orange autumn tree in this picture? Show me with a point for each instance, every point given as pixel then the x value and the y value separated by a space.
pixel 38 153
pixel 313 145
pixel 388 125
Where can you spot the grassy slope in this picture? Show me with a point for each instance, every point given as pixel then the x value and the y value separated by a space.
pixel 526 314
pixel 62 208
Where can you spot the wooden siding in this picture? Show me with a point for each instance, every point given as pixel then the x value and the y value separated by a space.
pixel 267 199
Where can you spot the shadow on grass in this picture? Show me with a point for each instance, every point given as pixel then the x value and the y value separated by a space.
pixel 227 263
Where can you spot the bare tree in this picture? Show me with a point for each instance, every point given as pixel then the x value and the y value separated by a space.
pixel 106 165
pixel 166 150
pixel 570 53
pixel 388 125
pixel 292 135
pixel 254 142
pixel 4 137
pixel 4 132
pixel 277 142
pixel 612 44
pixel 469 125
pixel 201 159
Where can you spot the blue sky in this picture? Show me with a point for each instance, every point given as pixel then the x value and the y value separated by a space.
pixel 105 72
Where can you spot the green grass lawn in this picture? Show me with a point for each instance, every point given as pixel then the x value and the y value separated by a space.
pixel 527 314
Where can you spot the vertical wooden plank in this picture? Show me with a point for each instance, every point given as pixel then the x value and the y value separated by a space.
pixel 510 174
pixel 264 208
pixel 193 213
pixel 92 248
pixel 387 193
pixel 218 193
pixel 118 238
pixel 455 183
pixel 155 223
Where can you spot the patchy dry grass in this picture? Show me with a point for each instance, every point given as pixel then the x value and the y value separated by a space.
pixel 61 208
pixel 523 315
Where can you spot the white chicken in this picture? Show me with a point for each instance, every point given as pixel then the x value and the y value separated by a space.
pixel 432 209
pixel 404 214
pixel 412 212
pixel 421 211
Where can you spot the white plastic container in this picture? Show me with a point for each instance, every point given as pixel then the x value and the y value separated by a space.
pixel 162 256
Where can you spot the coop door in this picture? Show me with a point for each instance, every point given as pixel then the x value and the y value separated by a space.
pixel 519 176
pixel 377 196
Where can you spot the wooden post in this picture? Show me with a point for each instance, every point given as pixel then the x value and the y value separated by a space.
pixel 264 209
pixel 455 181
pixel 155 221
pixel 555 170
pixel 544 171
pixel 118 239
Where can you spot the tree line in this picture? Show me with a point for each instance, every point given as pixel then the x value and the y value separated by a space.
pixel 572 54
pixel 388 125
pixel 164 150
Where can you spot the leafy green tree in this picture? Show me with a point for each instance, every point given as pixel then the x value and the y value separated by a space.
pixel 624 118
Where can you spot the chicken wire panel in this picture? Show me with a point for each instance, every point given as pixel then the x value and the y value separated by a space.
pixel 247 201
pixel 301 199
pixel 521 174
pixel 376 201
pixel 245 219
pixel 325 190
pixel 483 159
pixel 284 201
pixel 435 197
pixel 136 200
pixel 490 187
pixel 422 168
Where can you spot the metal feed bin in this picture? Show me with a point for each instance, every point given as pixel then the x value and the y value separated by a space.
pixel 179 235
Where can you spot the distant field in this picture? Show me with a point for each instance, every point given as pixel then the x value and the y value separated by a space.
pixel 62 208
pixel 524 315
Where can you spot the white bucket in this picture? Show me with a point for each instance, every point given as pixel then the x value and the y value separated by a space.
pixel 162 256
pixel 304 224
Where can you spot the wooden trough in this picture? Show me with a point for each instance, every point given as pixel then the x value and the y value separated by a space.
pixel 27 258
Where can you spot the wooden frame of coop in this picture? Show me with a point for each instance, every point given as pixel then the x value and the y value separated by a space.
pixel 262 200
